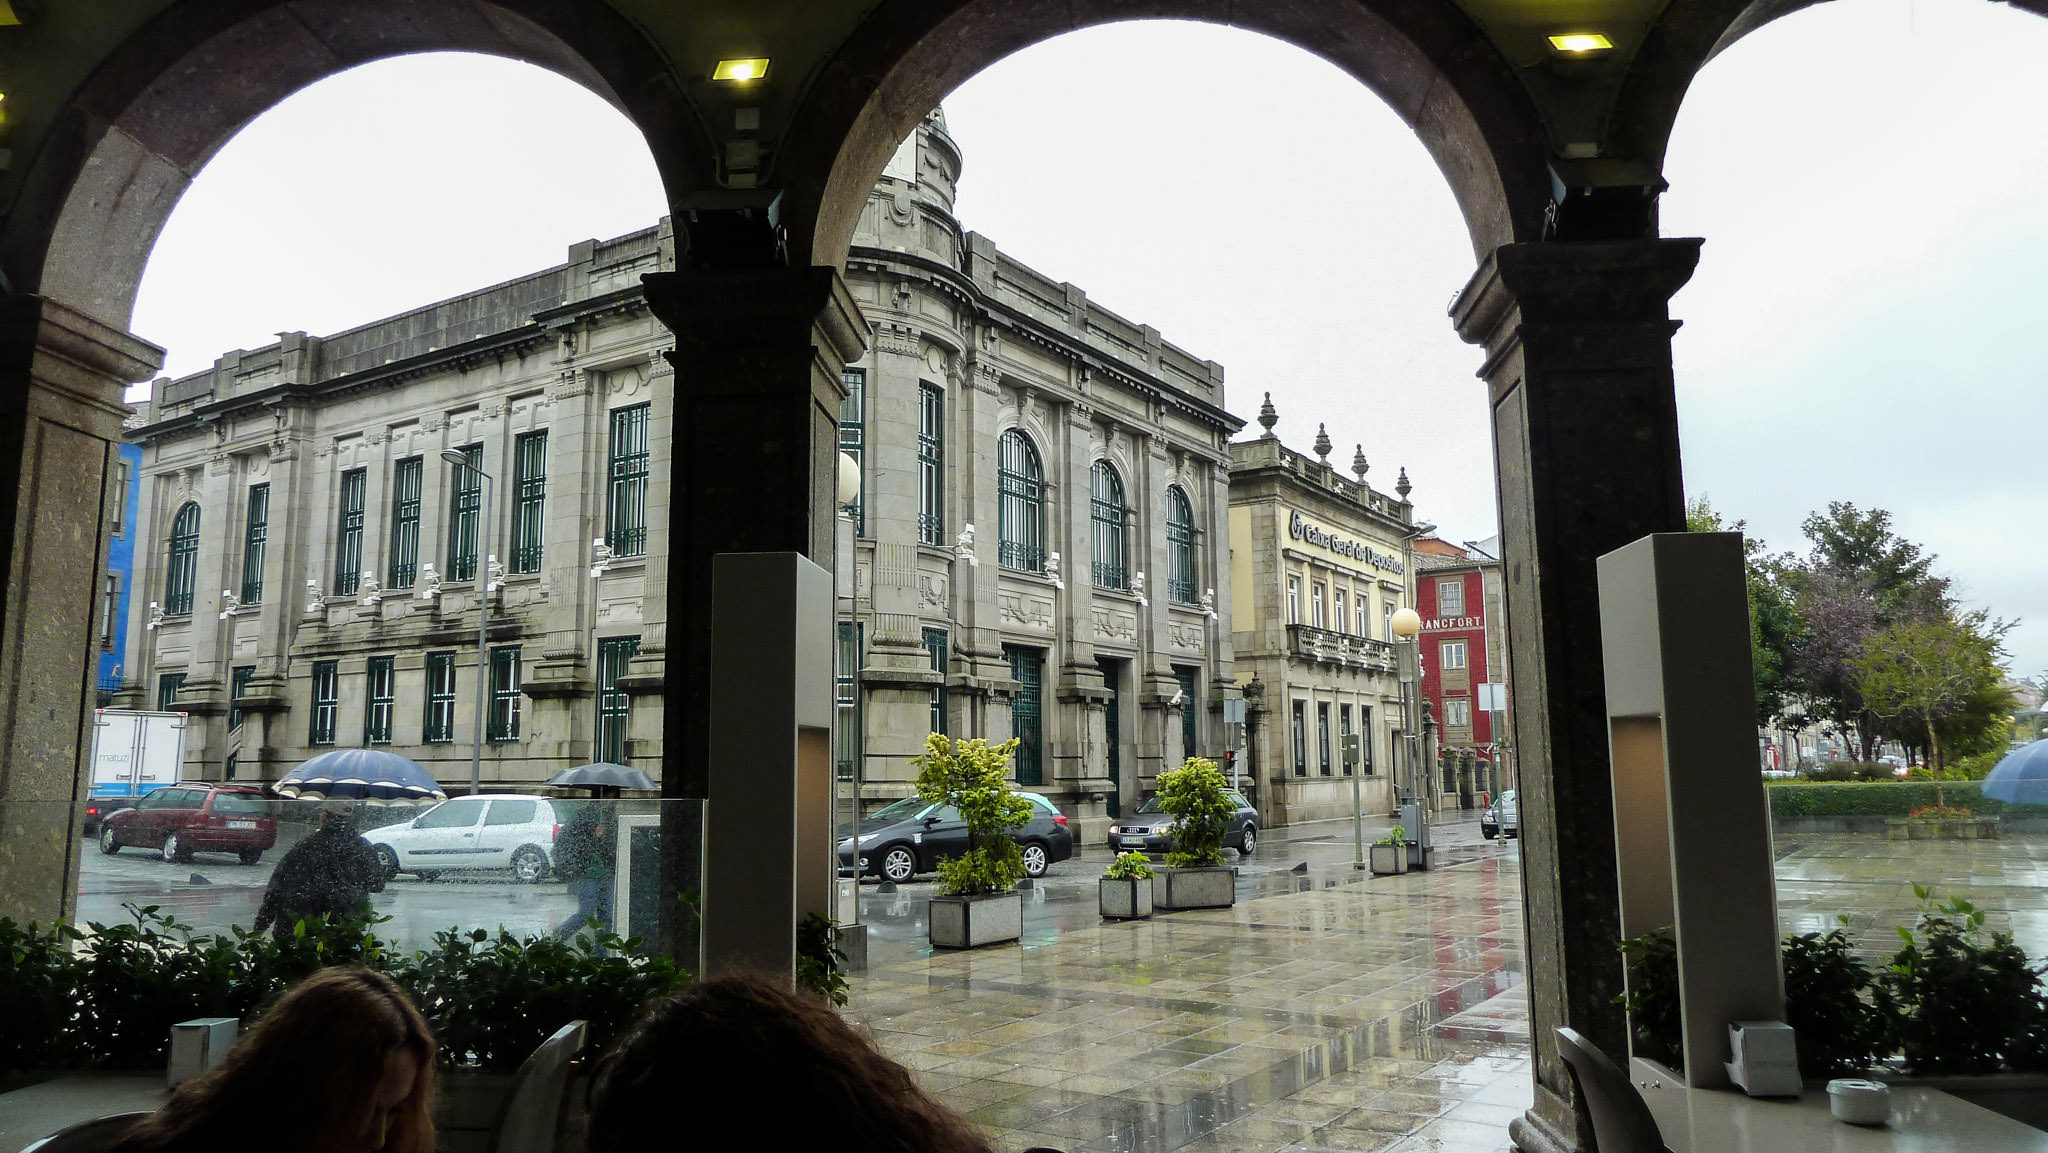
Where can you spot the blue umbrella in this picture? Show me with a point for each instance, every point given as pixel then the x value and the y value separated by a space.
pixel 2022 777
pixel 361 773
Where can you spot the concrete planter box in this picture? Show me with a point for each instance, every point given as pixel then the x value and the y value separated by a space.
pixel 1202 887
pixel 1388 860
pixel 1941 828
pixel 966 922
pixel 1125 898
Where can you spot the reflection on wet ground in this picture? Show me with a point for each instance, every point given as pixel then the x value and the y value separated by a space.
pixel 1870 880
pixel 1335 1011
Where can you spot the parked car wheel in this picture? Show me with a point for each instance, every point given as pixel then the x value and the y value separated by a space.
pixel 1489 832
pixel 1249 841
pixel 174 848
pixel 427 875
pixel 529 865
pixel 387 861
pixel 110 841
pixel 251 856
pixel 898 863
pixel 1036 859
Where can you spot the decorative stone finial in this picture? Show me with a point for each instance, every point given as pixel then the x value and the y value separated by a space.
pixel 1402 486
pixel 1267 416
pixel 1358 465
pixel 1323 445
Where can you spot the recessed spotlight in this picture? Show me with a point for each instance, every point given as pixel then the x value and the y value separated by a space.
pixel 1580 43
pixel 740 71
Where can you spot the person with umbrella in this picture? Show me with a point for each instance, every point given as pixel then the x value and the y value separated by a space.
pixel 586 857
pixel 332 872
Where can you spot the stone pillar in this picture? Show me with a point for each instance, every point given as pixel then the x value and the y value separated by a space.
pixel 1578 367
pixel 754 468
pixel 61 378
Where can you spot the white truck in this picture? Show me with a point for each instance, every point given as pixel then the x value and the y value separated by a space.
pixel 133 752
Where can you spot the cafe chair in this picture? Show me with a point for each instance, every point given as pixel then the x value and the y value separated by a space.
pixel 1621 1121
pixel 533 1112
pixel 87 1136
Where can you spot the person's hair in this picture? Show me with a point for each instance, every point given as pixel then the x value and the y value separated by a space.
pixel 761 1054
pixel 312 1062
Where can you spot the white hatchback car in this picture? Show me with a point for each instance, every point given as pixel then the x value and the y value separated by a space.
pixel 500 833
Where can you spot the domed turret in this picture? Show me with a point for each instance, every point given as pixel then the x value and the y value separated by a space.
pixel 911 207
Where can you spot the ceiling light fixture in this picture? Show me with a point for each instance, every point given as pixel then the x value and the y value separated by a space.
pixel 740 71
pixel 1580 43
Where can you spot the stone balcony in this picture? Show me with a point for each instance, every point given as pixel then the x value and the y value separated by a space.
pixel 1322 646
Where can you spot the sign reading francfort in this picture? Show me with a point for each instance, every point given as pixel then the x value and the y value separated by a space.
pixel 1302 530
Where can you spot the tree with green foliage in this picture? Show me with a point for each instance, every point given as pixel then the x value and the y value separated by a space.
pixel 1199 802
pixel 1928 673
pixel 973 777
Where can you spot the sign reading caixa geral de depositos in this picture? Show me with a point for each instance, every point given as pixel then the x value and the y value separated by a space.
pixel 1307 533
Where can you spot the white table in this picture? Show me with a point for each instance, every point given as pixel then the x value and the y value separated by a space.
pixel 1923 1120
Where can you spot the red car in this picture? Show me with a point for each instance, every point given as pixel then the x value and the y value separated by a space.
pixel 180 820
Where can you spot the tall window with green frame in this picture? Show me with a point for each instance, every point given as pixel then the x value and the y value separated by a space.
pixel 504 722
pixel 529 500
pixel 326 702
pixel 238 687
pixel 931 465
pixel 183 568
pixel 1108 518
pixel 846 736
pixel 383 697
pixel 853 437
pixel 1027 668
pixel 1180 547
pixel 348 532
pixel 1020 504
pixel 1190 709
pixel 407 478
pixel 254 538
pixel 438 726
pixel 625 525
pixel 167 688
pixel 935 646
pixel 465 513
pixel 614 704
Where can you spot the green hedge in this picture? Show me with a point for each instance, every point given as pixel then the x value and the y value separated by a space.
pixel 1882 799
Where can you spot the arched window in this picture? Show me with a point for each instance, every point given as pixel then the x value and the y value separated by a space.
pixel 1106 509
pixel 1180 547
pixel 1020 519
pixel 183 568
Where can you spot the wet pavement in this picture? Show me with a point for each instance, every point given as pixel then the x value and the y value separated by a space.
pixel 1328 1009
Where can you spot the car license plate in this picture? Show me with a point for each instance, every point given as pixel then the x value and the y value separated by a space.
pixel 241 824
pixel 1134 842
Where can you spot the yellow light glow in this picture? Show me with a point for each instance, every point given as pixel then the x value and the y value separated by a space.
pixel 1579 43
pixel 752 68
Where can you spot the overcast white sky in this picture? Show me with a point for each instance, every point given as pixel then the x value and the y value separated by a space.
pixel 1857 329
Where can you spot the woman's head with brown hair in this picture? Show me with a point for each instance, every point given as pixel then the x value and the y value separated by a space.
pixel 759 1054
pixel 343 1063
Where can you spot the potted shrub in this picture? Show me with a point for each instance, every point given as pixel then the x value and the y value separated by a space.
pixel 977 902
pixel 1389 854
pixel 1199 802
pixel 1125 890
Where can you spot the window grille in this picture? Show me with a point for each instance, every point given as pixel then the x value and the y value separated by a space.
pixel 184 562
pixel 530 495
pixel 1020 512
pixel 1109 518
pixel 626 502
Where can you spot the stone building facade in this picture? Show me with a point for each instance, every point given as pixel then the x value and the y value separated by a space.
pixel 1319 565
pixel 309 560
pixel 1458 593
pixel 1041 527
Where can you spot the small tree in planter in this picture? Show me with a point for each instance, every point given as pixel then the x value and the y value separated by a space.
pixel 1125 891
pixel 1390 853
pixel 1199 802
pixel 977 902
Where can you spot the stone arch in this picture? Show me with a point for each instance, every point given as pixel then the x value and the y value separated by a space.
pixel 130 141
pixel 1465 104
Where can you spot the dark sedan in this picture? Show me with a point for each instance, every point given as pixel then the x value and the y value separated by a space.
pixel 1150 829
pixel 902 840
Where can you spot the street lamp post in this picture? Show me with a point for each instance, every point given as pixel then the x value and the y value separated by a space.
pixel 462 463
pixel 1407 623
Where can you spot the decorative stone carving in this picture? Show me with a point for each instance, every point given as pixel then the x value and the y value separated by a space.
pixel 1115 625
pixel 931 590
pixel 370 592
pixel 963 546
pixel 430 582
pixel 1138 588
pixel 230 604
pixel 316 601
pixel 901 339
pixel 1052 571
pixel 1031 612
pixel 1187 638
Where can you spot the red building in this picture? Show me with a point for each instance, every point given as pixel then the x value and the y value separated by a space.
pixel 1458 595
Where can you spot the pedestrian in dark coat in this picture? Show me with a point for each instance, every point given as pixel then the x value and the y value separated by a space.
pixel 333 871
pixel 586 857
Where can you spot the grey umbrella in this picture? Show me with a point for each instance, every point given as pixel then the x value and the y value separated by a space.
pixel 603 775
pixel 2022 777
